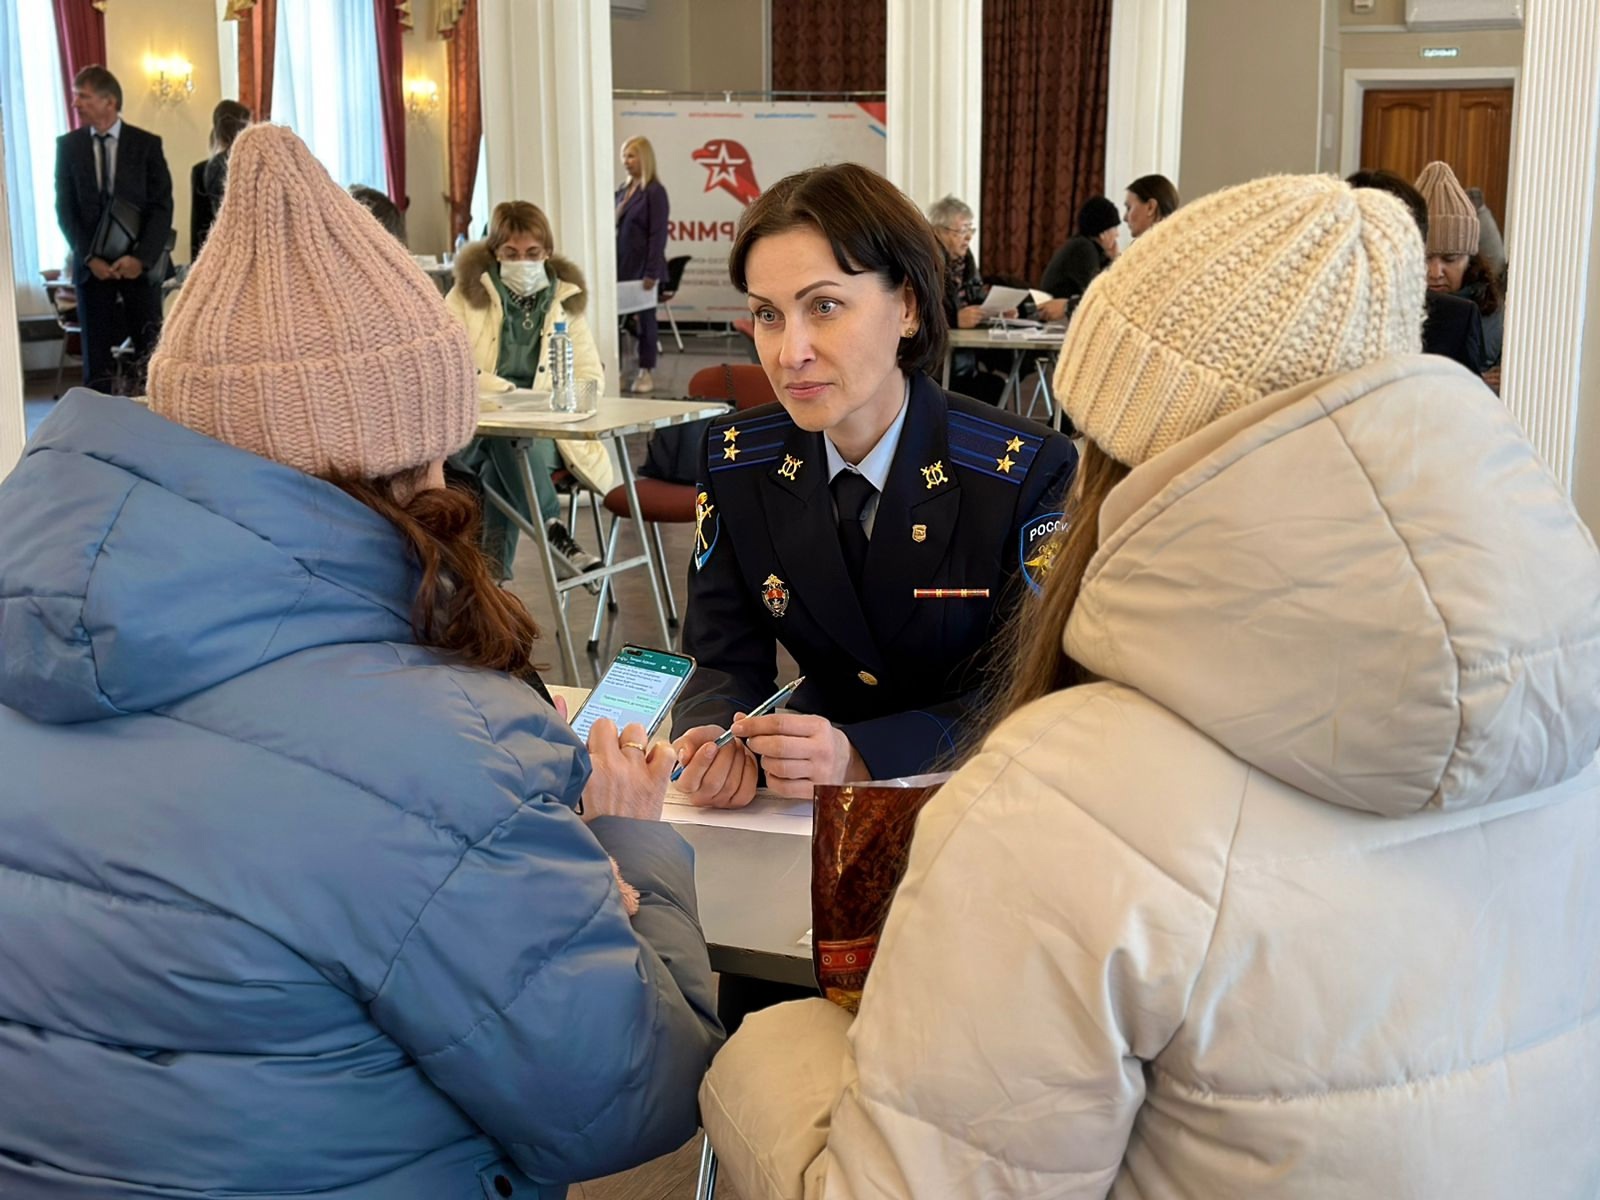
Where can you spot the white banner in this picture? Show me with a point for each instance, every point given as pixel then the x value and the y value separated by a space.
pixel 715 157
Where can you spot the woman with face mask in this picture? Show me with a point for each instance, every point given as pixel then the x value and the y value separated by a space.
pixel 511 290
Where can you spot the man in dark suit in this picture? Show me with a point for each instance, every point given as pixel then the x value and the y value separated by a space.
pixel 104 161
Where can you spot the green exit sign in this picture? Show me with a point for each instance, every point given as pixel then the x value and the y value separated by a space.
pixel 1441 52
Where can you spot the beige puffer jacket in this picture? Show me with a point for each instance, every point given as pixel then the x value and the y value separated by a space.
pixel 476 304
pixel 1302 901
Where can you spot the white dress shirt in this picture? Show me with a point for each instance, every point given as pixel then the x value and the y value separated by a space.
pixel 875 466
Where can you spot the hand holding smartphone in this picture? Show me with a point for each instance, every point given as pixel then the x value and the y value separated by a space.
pixel 639 686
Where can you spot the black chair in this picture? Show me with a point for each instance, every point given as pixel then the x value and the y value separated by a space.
pixel 669 289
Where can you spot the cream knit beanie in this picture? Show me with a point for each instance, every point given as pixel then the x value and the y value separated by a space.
pixel 306 334
pixel 1452 216
pixel 1236 296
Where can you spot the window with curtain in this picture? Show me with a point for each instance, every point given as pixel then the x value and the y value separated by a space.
pixel 325 87
pixel 35 115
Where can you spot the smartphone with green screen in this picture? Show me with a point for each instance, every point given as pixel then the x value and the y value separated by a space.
pixel 639 685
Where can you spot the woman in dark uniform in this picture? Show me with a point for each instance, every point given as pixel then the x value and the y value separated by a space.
pixel 871 522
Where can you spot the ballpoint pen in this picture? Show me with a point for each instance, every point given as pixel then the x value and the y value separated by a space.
pixel 760 710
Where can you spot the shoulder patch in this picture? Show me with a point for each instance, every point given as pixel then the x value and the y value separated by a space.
pixel 992 448
pixel 1038 543
pixel 734 443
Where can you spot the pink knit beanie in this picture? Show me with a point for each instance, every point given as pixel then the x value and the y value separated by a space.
pixel 306 334
pixel 1452 216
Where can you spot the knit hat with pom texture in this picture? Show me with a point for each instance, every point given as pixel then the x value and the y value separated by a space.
pixel 1243 293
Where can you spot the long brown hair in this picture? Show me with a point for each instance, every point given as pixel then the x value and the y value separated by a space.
pixel 458 607
pixel 1490 296
pixel 1033 662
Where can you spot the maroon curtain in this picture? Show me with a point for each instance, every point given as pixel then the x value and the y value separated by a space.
pixel 81 33
pixel 466 116
pixel 258 35
pixel 391 58
pixel 830 45
pixel 1045 80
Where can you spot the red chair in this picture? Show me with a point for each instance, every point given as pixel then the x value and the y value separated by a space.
pixel 664 502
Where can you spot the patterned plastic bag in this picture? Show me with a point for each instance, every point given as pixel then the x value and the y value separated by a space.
pixel 861 840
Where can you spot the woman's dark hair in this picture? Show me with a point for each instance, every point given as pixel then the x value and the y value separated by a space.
pixel 1096 216
pixel 458 606
pixel 871 226
pixel 228 120
pixel 1487 293
pixel 1388 181
pixel 385 209
pixel 1160 189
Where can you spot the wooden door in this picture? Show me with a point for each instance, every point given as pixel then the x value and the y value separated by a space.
pixel 1404 129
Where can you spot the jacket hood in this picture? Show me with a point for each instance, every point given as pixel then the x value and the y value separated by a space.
pixel 472 269
pixel 1369 587
pixel 141 562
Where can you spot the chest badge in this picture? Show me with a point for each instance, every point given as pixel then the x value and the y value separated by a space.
pixel 934 475
pixel 919 533
pixel 775 595
pixel 791 467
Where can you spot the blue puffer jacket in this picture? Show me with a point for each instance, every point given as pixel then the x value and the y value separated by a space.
pixel 289 905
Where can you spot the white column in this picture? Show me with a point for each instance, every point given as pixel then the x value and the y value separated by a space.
pixel 546 79
pixel 1144 107
pixel 1549 243
pixel 13 426
pixel 935 98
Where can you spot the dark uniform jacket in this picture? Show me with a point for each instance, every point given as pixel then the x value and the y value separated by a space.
pixel 897 673
pixel 1453 328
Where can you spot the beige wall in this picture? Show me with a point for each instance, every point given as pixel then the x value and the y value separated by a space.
pixel 1250 91
pixel 136 29
pixel 168 29
pixel 691 45
pixel 427 139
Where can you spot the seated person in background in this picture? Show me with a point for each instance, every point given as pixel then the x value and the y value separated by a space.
pixel 297 899
pixel 1452 326
pixel 385 209
pixel 1150 199
pixel 869 521
pixel 980 374
pixel 1278 874
pixel 1455 267
pixel 209 177
pixel 1088 252
pixel 510 291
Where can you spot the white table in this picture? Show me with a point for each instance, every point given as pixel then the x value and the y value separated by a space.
pixel 1045 342
pixel 616 418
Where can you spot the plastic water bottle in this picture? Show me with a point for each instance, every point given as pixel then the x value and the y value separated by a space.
pixel 563 380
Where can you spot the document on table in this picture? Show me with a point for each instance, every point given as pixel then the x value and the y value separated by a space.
pixel 767 813
pixel 1002 299
pixel 633 296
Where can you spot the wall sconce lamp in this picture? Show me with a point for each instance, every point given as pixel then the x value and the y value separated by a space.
pixel 171 80
pixel 422 99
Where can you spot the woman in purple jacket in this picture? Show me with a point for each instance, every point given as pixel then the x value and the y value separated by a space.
pixel 642 242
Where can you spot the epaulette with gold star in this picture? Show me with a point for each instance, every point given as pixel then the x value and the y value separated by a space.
pixel 993 449
pixel 747 443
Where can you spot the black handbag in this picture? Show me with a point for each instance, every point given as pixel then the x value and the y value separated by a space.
pixel 117 232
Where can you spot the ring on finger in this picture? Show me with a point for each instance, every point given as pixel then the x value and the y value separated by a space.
pixel 633 746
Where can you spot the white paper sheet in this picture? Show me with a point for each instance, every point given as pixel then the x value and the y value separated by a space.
pixel 632 297
pixel 766 814
pixel 1002 299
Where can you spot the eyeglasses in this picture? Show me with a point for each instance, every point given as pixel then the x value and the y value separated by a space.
pixel 532 254
pixel 962 230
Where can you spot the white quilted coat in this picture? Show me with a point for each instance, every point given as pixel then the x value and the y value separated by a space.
pixel 1302 900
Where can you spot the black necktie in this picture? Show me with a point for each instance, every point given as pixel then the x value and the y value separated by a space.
pixel 105 163
pixel 851 492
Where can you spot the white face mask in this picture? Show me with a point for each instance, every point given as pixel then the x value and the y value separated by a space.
pixel 523 277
